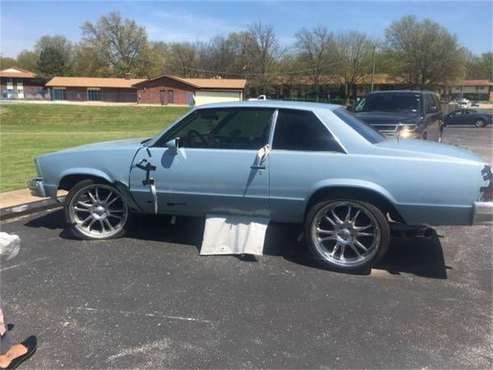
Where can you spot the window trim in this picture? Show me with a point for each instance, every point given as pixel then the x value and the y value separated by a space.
pixel 178 125
pixel 271 142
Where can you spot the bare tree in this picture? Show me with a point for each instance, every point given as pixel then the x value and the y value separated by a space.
pixel 354 51
pixel 425 52
pixel 262 52
pixel 183 59
pixel 121 43
pixel 316 51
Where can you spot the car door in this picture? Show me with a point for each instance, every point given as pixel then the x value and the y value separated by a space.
pixel 211 162
pixel 301 142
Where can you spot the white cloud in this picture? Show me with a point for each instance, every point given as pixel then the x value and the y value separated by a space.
pixel 178 26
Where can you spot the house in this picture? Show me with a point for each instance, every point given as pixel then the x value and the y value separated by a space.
pixel 470 89
pixel 93 89
pixel 18 83
pixel 168 89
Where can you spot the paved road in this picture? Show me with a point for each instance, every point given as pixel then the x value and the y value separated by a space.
pixel 149 300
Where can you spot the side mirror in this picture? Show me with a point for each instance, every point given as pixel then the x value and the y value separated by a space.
pixel 174 144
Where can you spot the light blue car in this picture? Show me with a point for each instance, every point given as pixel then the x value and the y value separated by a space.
pixel 291 162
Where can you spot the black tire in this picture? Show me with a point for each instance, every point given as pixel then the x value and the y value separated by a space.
pixel 71 216
pixel 380 248
pixel 479 123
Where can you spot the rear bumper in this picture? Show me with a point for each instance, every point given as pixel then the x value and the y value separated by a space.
pixel 482 213
pixel 36 187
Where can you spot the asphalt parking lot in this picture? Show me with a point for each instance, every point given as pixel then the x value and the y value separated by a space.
pixel 150 301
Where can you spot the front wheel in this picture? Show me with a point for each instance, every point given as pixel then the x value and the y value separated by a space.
pixel 96 210
pixel 347 235
pixel 479 123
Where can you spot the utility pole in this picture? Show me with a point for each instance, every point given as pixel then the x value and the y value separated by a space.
pixel 373 67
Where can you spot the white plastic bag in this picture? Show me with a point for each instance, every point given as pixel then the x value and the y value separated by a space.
pixel 9 245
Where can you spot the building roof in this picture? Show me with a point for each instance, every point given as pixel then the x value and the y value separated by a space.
pixel 206 83
pixel 16 72
pixel 477 83
pixel 117 83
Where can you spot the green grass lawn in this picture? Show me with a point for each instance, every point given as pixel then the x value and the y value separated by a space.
pixel 27 130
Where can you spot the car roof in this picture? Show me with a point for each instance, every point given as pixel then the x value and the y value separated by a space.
pixel 272 104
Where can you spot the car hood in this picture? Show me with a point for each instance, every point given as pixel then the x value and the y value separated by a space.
pixel 427 149
pixel 113 144
pixel 387 118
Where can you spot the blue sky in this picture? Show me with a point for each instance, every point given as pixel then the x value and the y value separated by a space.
pixel 23 22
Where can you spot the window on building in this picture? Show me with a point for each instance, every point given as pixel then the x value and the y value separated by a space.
pixel 228 128
pixel 93 94
pixel 58 94
pixel 302 130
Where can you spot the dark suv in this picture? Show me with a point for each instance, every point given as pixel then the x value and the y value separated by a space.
pixel 405 113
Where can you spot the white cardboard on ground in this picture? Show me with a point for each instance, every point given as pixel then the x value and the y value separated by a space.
pixel 234 235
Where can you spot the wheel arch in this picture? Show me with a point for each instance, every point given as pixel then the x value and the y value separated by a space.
pixel 69 178
pixel 366 192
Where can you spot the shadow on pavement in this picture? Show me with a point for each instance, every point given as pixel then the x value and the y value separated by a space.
pixel 418 256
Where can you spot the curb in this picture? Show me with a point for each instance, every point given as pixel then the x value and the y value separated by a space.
pixel 28 208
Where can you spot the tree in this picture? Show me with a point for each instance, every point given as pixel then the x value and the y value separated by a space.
pixel 28 60
pixel 7 62
pixel 354 53
pixel 480 68
pixel 183 59
pixel 120 43
pixel 262 51
pixel 51 62
pixel 426 53
pixel 57 49
pixel 316 53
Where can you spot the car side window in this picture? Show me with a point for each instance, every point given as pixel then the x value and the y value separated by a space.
pixel 302 131
pixel 225 128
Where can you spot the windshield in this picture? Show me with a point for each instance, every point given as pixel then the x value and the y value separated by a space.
pixel 368 132
pixel 409 103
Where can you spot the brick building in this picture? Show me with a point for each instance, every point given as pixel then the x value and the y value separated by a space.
pixel 18 83
pixel 189 91
pixel 93 89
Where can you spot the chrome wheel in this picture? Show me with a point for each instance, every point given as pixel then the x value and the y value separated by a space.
pixel 346 233
pixel 98 211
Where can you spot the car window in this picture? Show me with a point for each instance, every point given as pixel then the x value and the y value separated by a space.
pixel 362 128
pixel 302 130
pixel 386 102
pixel 226 128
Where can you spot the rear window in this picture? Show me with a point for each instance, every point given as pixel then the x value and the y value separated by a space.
pixel 365 130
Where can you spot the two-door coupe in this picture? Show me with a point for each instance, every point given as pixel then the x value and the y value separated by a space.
pixel 291 162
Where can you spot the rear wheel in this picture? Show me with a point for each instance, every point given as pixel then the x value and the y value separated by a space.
pixel 479 123
pixel 347 235
pixel 96 210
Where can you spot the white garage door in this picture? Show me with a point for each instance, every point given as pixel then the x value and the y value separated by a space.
pixel 206 97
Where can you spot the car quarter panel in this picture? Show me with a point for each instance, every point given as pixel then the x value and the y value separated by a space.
pixel 431 192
